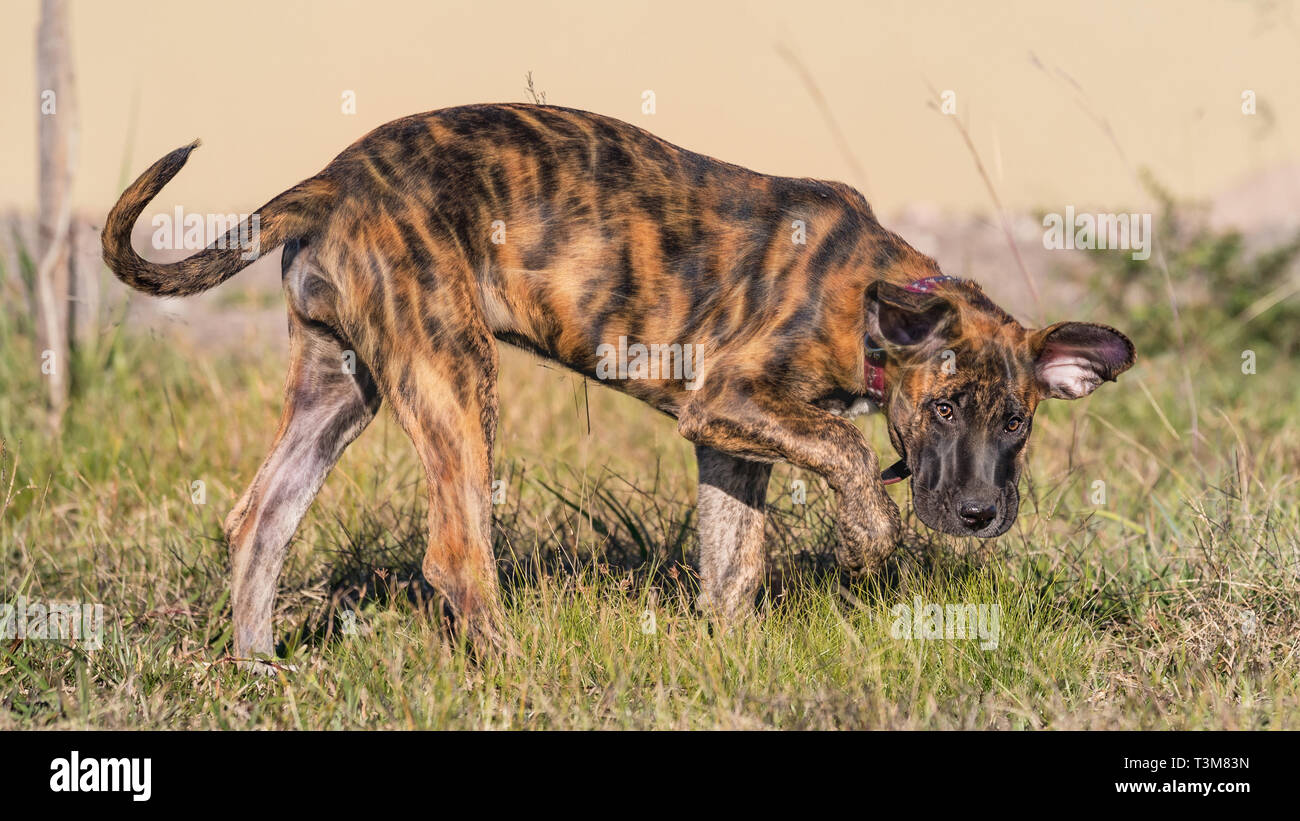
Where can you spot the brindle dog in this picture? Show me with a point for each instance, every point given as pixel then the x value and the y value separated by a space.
pixel 559 231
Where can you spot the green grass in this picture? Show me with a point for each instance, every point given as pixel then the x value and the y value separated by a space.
pixel 1132 614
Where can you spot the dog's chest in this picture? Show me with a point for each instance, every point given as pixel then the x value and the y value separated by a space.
pixel 848 406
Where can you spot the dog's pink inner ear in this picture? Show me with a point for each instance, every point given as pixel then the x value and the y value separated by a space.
pixel 1075 357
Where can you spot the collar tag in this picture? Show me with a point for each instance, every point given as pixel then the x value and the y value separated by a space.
pixel 896 472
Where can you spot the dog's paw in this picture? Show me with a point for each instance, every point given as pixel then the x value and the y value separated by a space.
pixel 726 608
pixel 258 666
pixel 486 636
pixel 868 531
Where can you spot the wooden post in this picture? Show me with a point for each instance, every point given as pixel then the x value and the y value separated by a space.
pixel 58 141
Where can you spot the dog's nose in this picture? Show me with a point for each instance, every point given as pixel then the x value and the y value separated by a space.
pixel 976 516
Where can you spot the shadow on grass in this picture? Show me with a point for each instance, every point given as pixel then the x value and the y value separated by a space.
pixel 565 527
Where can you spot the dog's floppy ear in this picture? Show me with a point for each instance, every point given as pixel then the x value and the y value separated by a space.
pixel 904 318
pixel 1072 358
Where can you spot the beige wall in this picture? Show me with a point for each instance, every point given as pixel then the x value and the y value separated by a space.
pixel 260 82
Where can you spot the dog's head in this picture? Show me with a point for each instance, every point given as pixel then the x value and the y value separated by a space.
pixel 965 380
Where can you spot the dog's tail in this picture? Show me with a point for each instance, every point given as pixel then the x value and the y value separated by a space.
pixel 295 213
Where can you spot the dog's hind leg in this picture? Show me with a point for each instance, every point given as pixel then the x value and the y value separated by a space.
pixel 329 400
pixel 731 510
pixel 441 386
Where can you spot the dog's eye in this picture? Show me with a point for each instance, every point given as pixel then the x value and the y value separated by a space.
pixel 1014 424
pixel 943 409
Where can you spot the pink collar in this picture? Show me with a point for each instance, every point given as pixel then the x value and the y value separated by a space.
pixel 873 371
pixel 875 376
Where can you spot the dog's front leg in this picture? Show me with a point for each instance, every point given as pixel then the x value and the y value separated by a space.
pixel 760 427
pixel 731 513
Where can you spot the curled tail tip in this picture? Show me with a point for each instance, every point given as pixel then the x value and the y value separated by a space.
pixel 182 154
pixel 174 160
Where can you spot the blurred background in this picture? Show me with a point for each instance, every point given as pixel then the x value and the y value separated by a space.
pixel 261 84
